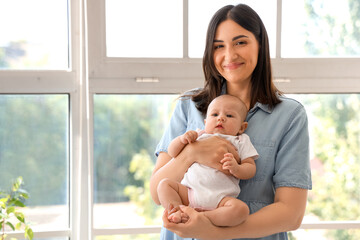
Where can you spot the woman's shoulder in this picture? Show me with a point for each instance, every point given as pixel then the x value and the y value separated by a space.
pixel 289 104
pixel 189 93
pixel 186 104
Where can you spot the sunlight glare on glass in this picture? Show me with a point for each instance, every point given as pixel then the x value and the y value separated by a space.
pixel 144 29
pixel 321 28
pixel 34 34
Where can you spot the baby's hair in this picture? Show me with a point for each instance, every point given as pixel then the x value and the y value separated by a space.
pixel 243 108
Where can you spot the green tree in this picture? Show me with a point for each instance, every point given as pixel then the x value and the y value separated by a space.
pixel 34 144
pixel 335 35
pixel 141 166
pixel 124 125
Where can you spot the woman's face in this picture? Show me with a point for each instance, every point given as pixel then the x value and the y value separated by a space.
pixel 235 52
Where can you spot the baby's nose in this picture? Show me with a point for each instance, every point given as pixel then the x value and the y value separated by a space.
pixel 221 119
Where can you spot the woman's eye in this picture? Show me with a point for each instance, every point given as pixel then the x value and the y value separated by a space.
pixel 240 43
pixel 218 46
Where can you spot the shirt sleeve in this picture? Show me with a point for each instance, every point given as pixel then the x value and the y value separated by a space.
pixel 292 165
pixel 177 125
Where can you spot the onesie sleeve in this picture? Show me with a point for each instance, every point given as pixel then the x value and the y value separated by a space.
pixel 177 125
pixel 246 148
pixel 292 165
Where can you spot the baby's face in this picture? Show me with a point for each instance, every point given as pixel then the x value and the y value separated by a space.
pixel 224 117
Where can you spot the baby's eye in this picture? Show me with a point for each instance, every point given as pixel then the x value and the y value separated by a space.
pixel 229 115
pixel 214 114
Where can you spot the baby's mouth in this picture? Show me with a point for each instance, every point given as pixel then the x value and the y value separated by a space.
pixel 219 126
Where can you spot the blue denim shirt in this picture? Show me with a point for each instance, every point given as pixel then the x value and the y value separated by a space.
pixel 280 135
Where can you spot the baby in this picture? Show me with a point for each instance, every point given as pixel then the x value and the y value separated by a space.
pixel 207 189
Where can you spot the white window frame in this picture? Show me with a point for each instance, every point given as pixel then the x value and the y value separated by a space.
pixel 91 72
pixel 73 81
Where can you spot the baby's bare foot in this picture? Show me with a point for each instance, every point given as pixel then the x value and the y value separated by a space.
pixel 175 217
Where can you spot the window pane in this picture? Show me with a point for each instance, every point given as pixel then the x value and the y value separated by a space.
pixel 334 125
pixel 34 34
pixel 144 29
pixel 127 129
pixel 321 28
pixel 34 144
pixel 201 11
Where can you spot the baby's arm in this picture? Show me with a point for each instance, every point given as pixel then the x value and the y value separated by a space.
pixel 178 144
pixel 245 170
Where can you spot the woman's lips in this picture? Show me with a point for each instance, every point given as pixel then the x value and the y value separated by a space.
pixel 232 66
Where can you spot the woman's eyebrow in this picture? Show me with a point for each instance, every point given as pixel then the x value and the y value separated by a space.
pixel 233 39
pixel 240 36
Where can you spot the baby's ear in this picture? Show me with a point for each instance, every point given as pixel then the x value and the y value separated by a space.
pixel 243 127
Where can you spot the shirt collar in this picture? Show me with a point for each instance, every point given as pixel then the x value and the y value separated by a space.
pixel 264 107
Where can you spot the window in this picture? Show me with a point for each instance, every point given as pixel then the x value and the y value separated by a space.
pixel 335 161
pixel 40 111
pixel 34 133
pixel 147 35
pixel 316 73
pixel 34 34
pixel 320 29
pixel 68 77
pixel 127 129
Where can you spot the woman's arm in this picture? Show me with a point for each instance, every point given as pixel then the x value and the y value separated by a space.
pixel 208 151
pixel 285 214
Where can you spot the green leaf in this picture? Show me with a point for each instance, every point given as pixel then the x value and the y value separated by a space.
pixel 17 203
pixel 20 216
pixel 23 193
pixel 17 184
pixel 18 226
pixel 10 225
pixel 10 210
pixel 29 234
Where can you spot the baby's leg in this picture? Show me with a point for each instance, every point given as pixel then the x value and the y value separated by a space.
pixel 230 212
pixel 172 193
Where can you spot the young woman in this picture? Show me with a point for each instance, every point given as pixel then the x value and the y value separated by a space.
pixel 237 62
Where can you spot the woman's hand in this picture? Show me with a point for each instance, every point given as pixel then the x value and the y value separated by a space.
pixel 209 152
pixel 197 225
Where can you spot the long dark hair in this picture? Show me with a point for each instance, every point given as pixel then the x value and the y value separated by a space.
pixel 263 89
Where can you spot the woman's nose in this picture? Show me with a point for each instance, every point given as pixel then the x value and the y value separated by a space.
pixel 230 54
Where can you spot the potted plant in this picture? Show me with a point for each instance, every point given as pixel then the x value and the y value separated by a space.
pixel 10 215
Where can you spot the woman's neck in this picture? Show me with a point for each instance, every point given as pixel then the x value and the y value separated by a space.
pixel 242 91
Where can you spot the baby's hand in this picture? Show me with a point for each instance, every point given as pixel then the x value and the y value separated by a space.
pixel 229 163
pixel 189 137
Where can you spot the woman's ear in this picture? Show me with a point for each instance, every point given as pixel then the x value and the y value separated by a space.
pixel 243 127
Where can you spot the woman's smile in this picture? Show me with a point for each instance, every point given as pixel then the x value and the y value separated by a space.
pixel 232 66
